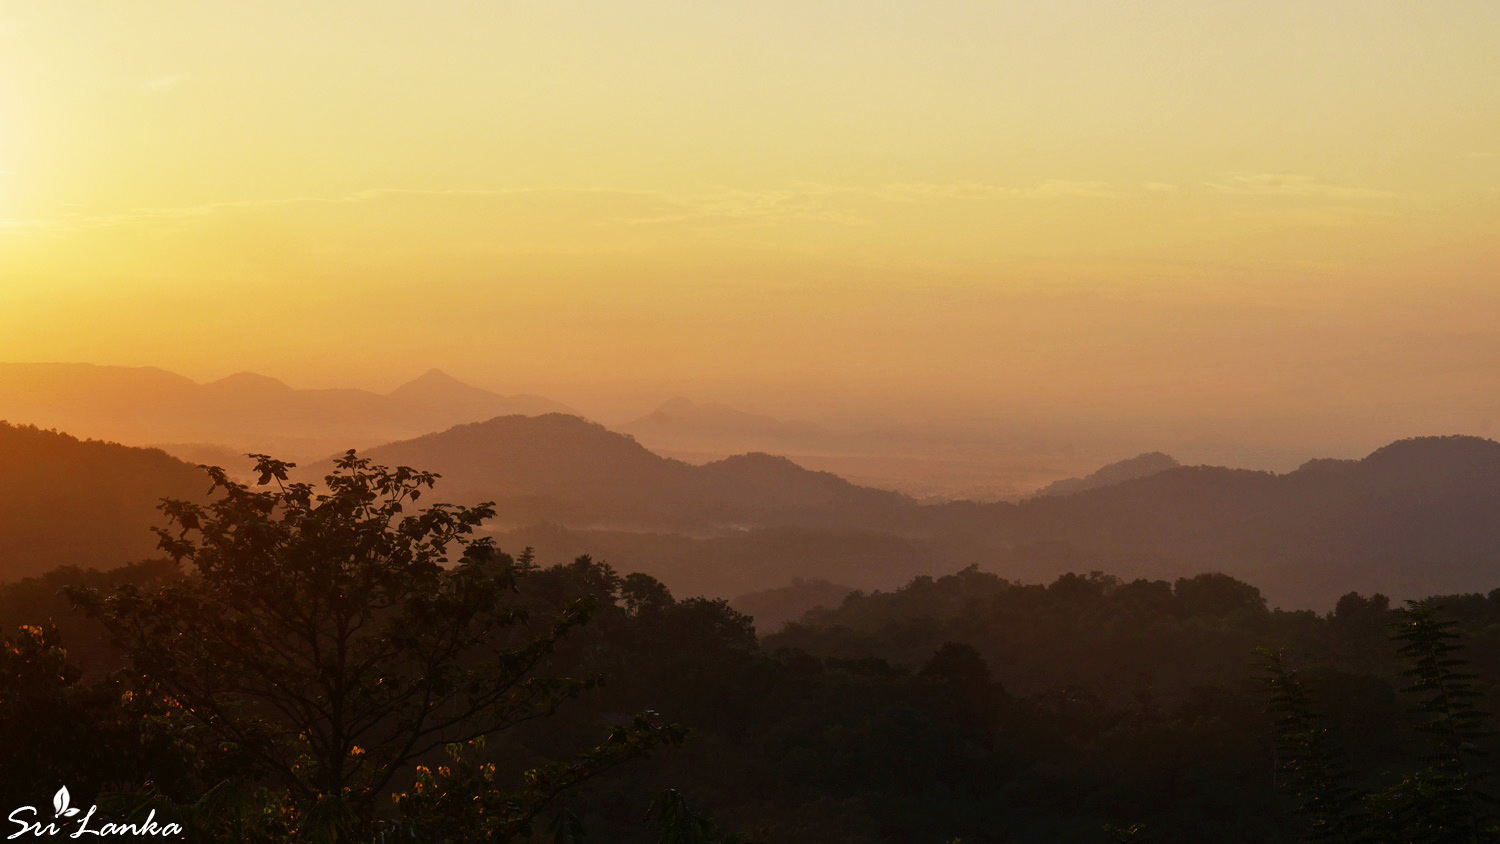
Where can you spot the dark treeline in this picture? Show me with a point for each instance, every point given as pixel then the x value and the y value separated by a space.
pixel 957 707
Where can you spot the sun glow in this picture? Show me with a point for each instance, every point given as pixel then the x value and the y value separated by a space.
pixel 1089 195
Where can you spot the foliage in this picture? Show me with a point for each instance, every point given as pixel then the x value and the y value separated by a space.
pixel 1315 770
pixel 963 707
pixel 334 638
pixel 1444 800
pixel 55 728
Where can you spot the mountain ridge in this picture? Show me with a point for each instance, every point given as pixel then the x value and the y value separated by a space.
pixel 89 503
pixel 246 411
pixel 559 466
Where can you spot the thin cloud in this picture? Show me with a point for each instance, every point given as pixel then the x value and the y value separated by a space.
pixel 159 85
pixel 1067 187
pixel 145 216
pixel 735 207
pixel 908 191
pixel 717 206
pixel 1288 184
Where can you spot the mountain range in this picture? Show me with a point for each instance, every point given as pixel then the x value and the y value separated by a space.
pixel 1418 516
pixel 929 461
pixel 563 468
pixel 243 412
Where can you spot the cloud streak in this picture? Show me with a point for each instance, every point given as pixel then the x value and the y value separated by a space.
pixel 1288 184
pixel 160 85
pixel 724 207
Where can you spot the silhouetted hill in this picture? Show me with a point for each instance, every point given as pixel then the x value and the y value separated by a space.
pixel 245 411
pixel 566 469
pixel 71 502
pixel 1140 466
pixel 1417 517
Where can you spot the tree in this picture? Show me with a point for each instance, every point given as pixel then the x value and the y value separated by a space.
pixel 1315 771
pixel 56 728
pixel 335 637
pixel 1444 801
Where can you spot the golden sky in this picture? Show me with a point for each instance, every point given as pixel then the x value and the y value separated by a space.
pixel 1142 209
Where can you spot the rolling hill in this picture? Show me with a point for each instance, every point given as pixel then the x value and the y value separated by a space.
pixel 1140 466
pixel 562 468
pixel 1415 517
pixel 1418 516
pixel 83 503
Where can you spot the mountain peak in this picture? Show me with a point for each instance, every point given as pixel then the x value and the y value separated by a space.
pixel 1435 446
pixel 1435 456
pixel 433 381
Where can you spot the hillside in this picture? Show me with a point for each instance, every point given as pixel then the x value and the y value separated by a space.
pixel 1140 466
pixel 1414 517
pixel 71 502
pixel 1417 516
pixel 557 467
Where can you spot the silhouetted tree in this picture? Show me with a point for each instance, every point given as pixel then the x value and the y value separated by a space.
pixel 336 637
pixel 57 729
pixel 1313 768
pixel 1442 802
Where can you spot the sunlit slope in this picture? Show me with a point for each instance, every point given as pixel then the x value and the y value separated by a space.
pixel 66 501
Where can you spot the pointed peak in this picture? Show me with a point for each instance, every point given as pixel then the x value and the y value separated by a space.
pixel 432 380
pixel 435 376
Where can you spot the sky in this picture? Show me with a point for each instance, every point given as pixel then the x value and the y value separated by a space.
pixel 1262 220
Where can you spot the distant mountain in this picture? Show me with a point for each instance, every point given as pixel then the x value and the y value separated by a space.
pixel 1140 466
pixel 1417 517
pixel 925 462
pixel 208 454
pixel 91 504
pixel 680 423
pixel 243 412
pixel 562 468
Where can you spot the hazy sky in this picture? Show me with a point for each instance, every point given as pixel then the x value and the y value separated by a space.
pixel 1275 210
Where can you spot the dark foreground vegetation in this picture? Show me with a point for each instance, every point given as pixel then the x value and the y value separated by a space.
pixel 349 662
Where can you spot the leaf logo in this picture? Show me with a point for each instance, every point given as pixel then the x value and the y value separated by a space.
pixel 60 803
